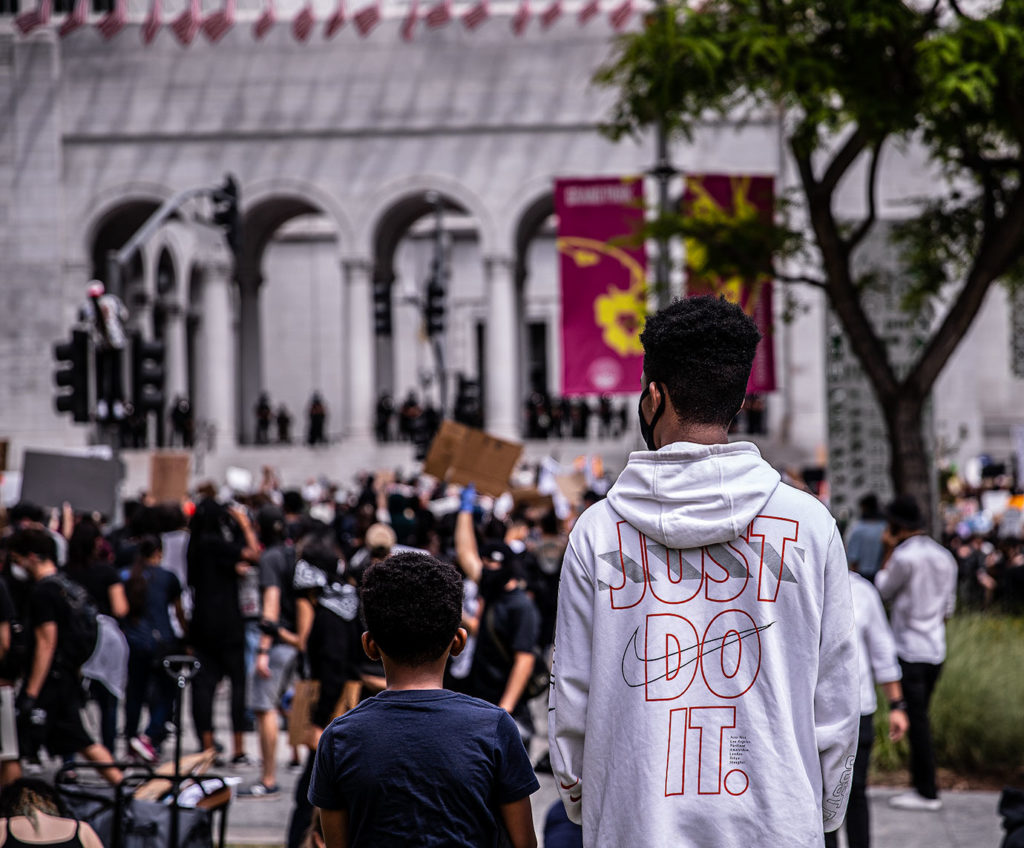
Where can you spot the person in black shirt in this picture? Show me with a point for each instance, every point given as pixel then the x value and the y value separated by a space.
pixel 89 566
pixel 49 704
pixel 222 547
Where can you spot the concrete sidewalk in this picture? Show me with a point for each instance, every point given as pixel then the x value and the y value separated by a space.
pixel 967 819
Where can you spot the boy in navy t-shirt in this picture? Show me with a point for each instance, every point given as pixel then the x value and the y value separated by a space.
pixel 417 764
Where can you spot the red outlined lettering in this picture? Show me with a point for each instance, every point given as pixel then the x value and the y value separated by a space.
pixel 671 656
pixel 710 759
pixel 686 724
pixel 673 589
pixel 736 639
pixel 631 591
pixel 717 576
pixel 736 782
pixel 675 758
pixel 771 534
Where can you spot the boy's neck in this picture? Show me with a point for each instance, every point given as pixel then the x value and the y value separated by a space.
pixel 408 677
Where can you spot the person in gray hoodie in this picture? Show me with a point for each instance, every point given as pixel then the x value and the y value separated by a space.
pixel 704 680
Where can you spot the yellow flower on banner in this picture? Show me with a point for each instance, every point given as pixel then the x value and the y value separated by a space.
pixel 620 314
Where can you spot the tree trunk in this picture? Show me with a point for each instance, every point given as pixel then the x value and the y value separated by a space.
pixel 909 460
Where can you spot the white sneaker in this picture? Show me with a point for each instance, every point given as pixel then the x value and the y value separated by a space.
pixel 915 801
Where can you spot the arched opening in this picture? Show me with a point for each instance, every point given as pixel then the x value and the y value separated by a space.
pixel 414 369
pixel 111 234
pixel 291 311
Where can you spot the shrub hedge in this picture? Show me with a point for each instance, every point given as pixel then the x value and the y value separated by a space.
pixel 977 711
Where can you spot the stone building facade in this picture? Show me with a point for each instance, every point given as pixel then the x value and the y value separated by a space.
pixel 335 144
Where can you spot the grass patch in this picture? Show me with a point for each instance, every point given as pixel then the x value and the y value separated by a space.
pixel 977 711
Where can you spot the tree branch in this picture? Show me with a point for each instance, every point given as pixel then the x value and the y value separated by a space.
pixel 858 235
pixel 806 279
pixel 999 248
pixel 846 156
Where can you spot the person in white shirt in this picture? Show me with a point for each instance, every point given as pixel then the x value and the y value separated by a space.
pixel 918 581
pixel 704 681
pixel 878 664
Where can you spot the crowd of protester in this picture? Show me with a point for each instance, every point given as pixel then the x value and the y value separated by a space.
pixel 262 588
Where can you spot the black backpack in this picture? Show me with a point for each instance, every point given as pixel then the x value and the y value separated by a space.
pixel 78 641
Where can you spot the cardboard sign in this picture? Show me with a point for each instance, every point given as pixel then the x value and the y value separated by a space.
pixel 572 486
pixel 88 483
pixel 3 454
pixel 443 448
pixel 486 461
pixel 168 477
pixel 527 498
pixel 462 455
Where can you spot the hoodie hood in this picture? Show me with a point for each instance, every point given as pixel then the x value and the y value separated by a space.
pixel 687 496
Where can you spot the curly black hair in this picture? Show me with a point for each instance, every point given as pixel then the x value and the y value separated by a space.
pixel 412 606
pixel 701 350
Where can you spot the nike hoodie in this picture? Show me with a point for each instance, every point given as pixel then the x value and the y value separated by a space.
pixel 704 681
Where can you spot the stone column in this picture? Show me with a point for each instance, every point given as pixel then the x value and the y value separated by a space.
pixel 250 351
pixel 360 365
pixel 215 366
pixel 175 352
pixel 501 358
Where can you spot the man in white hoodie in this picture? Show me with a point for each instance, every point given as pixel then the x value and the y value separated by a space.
pixel 705 685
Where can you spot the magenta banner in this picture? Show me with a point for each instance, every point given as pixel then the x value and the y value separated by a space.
pixel 713 197
pixel 604 284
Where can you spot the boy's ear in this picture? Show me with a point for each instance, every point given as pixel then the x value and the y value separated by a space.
pixel 370 647
pixel 459 641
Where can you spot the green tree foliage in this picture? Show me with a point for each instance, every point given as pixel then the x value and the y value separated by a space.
pixel 852 79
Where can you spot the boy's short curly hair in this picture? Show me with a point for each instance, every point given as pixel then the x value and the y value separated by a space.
pixel 412 606
pixel 701 350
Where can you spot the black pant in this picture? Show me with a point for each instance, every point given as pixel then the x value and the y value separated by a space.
pixel 216 663
pixel 857 829
pixel 919 681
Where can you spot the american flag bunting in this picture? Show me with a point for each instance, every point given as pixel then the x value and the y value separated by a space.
pixel 265 22
pixel 476 15
pixel 367 18
pixel 551 14
pixel 439 14
pixel 151 26
pixel 522 17
pixel 187 24
pixel 412 16
pixel 620 15
pixel 76 19
pixel 37 17
pixel 302 25
pixel 217 24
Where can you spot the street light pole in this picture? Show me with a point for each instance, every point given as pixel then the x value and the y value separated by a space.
pixel 663 171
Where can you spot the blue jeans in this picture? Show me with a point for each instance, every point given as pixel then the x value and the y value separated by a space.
pixel 148 684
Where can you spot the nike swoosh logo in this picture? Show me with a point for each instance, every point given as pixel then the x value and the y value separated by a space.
pixel 691 654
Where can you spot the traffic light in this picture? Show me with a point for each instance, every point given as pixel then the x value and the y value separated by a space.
pixel 147 375
pixel 74 357
pixel 435 307
pixel 382 308
pixel 227 215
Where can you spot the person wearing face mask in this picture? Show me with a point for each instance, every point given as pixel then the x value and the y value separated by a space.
pixel 508 628
pixel 704 679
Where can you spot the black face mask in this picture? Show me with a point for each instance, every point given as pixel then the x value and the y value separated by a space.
pixel 647 430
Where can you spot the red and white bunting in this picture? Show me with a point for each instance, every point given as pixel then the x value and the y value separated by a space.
pixel 76 19
pixel 589 10
pixel 217 24
pixel 367 18
pixel 439 14
pixel 620 15
pixel 113 22
pixel 35 18
pixel 303 23
pixel 476 15
pixel 336 21
pixel 412 17
pixel 265 22
pixel 551 14
pixel 187 24
pixel 154 20
pixel 521 17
